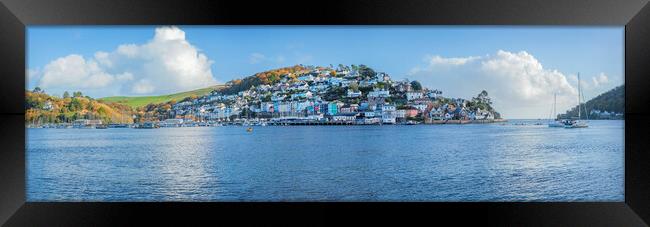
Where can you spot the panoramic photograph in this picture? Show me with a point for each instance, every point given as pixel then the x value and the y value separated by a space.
pixel 324 113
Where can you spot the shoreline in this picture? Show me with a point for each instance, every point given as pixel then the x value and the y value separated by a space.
pixel 291 123
pixel 287 123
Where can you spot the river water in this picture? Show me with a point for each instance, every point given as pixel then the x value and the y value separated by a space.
pixel 475 162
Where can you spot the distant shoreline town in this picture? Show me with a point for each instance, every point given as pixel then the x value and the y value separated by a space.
pixel 297 95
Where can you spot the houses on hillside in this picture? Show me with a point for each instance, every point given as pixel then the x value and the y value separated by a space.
pixel 330 95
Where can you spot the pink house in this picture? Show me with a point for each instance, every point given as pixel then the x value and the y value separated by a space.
pixel 411 112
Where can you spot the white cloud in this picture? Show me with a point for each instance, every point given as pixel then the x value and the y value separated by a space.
pixel 438 60
pixel 517 82
pixel 600 79
pixel 165 64
pixel 74 71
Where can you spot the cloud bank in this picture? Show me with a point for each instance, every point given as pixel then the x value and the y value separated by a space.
pixel 517 82
pixel 165 64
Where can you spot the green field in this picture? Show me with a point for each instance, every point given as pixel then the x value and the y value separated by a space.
pixel 144 100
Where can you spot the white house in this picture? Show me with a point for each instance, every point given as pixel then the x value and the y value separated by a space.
pixel 353 94
pixel 172 123
pixel 307 94
pixel 379 94
pixel 388 114
pixel 48 105
pixel 421 107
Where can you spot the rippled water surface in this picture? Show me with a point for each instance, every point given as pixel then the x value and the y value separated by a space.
pixel 486 162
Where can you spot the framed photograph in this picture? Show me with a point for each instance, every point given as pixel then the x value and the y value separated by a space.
pixel 512 113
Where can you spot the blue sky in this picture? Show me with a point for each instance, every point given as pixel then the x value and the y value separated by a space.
pixel 402 51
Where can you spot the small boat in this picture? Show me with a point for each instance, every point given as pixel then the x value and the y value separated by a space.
pixel 101 127
pixel 147 125
pixel 249 129
pixel 576 124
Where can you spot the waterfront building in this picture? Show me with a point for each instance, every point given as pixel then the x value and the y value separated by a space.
pixel 371 120
pixel 86 123
pixel 284 107
pixel 388 114
pixel 176 122
pixel 331 108
pixel 345 117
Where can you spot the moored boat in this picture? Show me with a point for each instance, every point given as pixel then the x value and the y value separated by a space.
pixel 557 123
pixel 578 123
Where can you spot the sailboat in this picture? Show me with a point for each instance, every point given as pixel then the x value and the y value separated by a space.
pixel 578 123
pixel 555 123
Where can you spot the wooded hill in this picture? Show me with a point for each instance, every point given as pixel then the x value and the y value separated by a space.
pixel 612 101
pixel 43 108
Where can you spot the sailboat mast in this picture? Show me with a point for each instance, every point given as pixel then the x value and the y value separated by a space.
pixel 554 105
pixel 579 91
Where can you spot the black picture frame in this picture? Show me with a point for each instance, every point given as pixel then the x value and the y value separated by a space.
pixel 15 15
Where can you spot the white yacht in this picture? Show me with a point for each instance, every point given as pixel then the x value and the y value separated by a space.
pixel 578 123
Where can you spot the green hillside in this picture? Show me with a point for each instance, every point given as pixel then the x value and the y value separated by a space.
pixel 610 101
pixel 139 101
